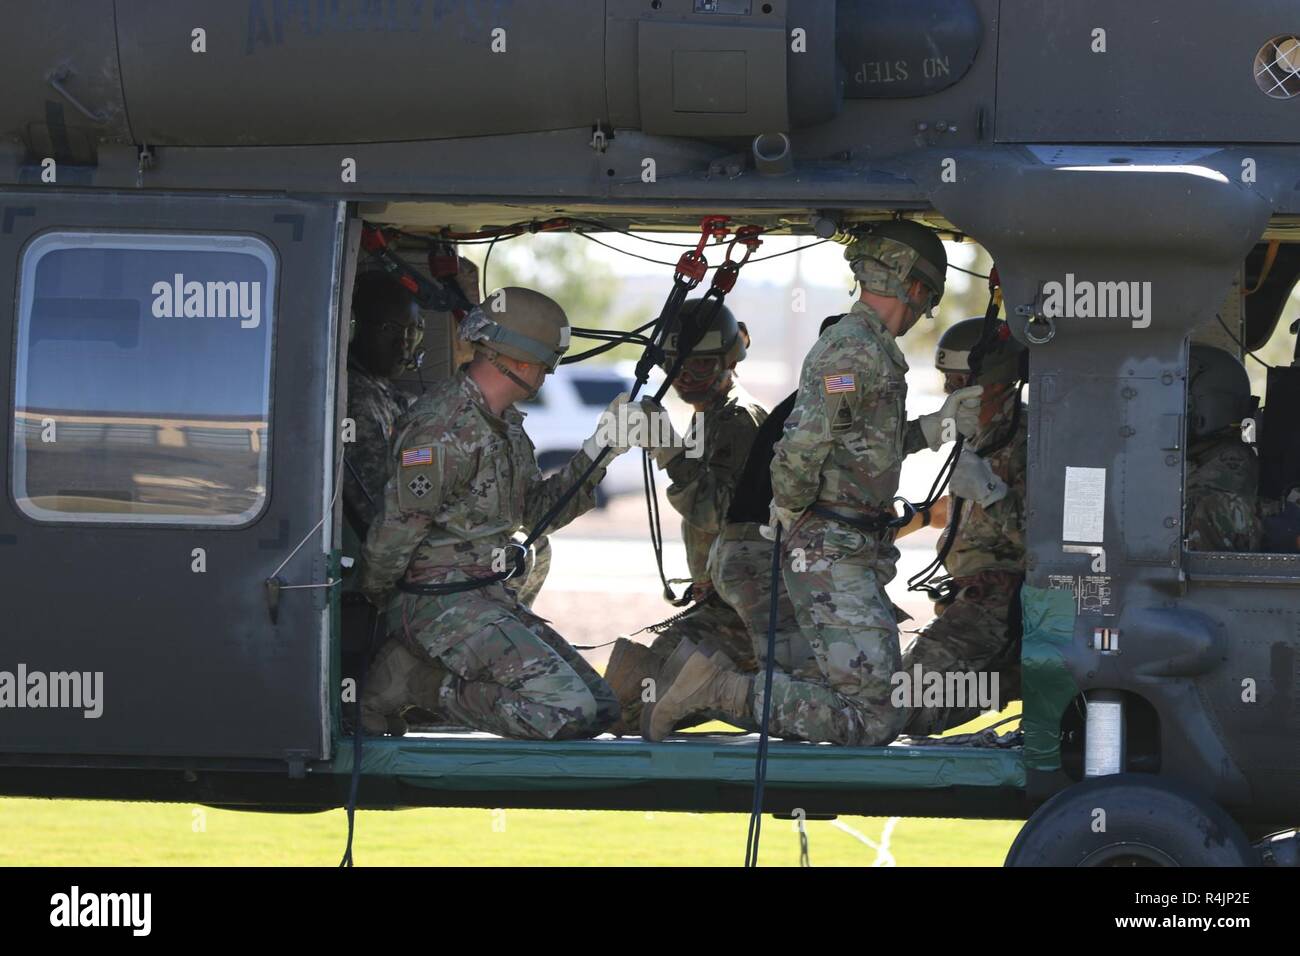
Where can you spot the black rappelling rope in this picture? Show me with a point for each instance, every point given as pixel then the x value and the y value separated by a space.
pixel 760 759
pixel 710 306
pixel 656 528
pixel 611 338
pixel 354 786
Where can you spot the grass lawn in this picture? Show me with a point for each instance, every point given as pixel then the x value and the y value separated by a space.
pixel 92 833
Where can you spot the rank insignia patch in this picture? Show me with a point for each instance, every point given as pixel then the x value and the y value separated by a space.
pixel 417 456
pixel 843 382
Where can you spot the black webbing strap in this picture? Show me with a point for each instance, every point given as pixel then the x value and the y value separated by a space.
pixel 876 525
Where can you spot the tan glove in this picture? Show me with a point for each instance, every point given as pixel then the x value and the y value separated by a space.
pixel 611 429
pixel 962 408
pixel 664 441
pixel 778 516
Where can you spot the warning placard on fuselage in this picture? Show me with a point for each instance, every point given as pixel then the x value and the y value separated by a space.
pixel 1084 505
pixel 1091 591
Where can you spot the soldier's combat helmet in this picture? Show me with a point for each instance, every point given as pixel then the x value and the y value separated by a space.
pixel 890 255
pixel 719 344
pixel 521 323
pixel 1218 391
pixel 1004 358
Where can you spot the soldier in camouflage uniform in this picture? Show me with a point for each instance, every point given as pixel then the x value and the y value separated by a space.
pixel 1222 502
pixel 388 330
pixel 740 561
pixel 703 477
pixel 977 628
pixel 465 480
pixel 538 563
pixel 834 477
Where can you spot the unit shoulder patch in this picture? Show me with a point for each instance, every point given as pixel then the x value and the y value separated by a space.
pixel 842 420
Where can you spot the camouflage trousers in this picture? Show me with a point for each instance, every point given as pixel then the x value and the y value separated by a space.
pixel 973 634
pixel 836 576
pixel 510 673
pixel 740 566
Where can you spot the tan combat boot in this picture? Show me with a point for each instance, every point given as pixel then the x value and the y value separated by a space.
pixel 701 684
pixel 629 664
pixel 398 679
pixel 709 648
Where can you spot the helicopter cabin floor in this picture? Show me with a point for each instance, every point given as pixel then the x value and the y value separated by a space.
pixel 699 772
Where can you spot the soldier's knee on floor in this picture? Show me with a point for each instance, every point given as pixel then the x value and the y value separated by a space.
pixel 590 715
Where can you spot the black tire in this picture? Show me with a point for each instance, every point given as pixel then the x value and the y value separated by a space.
pixel 1149 821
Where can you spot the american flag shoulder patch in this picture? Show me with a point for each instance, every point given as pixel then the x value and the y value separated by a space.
pixel 417 456
pixel 840 382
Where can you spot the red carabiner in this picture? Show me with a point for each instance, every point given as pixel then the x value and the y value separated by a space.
pixel 692 265
pixel 748 237
pixel 711 227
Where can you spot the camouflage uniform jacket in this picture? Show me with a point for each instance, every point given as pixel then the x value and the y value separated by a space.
pixel 847 436
pixel 993 538
pixel 374 405
pixel 463 482
pixel 1222 495
pixel 702 487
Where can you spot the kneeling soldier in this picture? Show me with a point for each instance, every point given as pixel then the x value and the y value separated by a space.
pixel 703 474
pixel 464 480
pixel 834 478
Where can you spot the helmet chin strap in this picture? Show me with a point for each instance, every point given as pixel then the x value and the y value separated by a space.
pixel 495 361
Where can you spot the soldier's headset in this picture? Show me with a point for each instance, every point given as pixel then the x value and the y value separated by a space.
pixel 416 361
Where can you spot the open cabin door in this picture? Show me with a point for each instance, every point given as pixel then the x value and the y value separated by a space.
pixel 168 370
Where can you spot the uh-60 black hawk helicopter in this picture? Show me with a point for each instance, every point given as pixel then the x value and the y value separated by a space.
pixel 181 534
